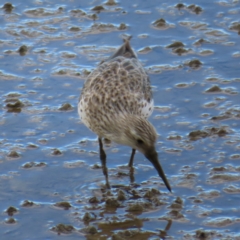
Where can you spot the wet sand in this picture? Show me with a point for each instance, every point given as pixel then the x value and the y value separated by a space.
pixel 51 180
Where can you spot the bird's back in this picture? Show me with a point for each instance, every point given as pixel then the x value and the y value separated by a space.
pixel 116 87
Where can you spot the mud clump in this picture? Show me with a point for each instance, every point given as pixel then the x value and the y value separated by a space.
pixel 78 13
pixel 93 200
pixel 10 221
pixel 65 107
pixel 23 50
pixel 102 27
pixel 219 222
pixel 218 131
pixel 180 51
pixel 223 178
pixel 88 217
pixel 122 174
pixel 135 207
pixel 75 29
pixel 194 8
pixel 96 166
pixel 198 134
pixel 195 135
pixel 180 6
pixel 176 214
pixel 174 137
pixel 151 193
pixel 33 165
pixel 178 48
pixel 110 3
pixel 27 203
pixel 132 234
pixel 177 204
pixel 13 154
pixel 211 194
pixel 235 27
pixel 63 228
pixel 219 169
pixel 121 195
pixel 230 113
pixel 56 152
pixel 232 189
pixel 43 12
pixel 61 72
pixel 202 234
pixel 32 146
pixel 8 7
pixel 14 105
pixel 194 64
pixel 200 42
pixel 175 45
pixel 92 16
pixel 160 23
pixel 11 211
pixel 235 156
pixel 145 50
pixel 112 203
pixel 64 205
pixel 98 8
pixel 89 230
pixel 116 224
pixel 214 89
pixel 122 26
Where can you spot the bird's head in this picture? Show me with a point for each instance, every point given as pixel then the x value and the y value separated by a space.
pixel 139 134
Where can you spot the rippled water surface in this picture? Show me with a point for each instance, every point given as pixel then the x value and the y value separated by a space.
pixel 51 182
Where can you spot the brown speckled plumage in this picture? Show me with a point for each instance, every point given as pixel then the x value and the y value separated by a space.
pixel 116 101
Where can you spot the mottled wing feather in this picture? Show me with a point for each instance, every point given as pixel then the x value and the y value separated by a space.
pixel 117 86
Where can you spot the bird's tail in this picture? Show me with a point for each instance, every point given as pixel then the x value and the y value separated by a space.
pixel 125 50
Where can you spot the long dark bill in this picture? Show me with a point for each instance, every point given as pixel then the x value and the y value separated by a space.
pixel 153 158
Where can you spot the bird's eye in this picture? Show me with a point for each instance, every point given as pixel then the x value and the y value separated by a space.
pixel 140 141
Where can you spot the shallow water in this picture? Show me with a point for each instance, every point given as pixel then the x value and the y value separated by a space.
pixel 48 156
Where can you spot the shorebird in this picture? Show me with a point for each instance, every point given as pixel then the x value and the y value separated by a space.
pixel 115 103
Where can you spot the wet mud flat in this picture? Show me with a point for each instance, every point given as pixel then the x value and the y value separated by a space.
pixel 51 179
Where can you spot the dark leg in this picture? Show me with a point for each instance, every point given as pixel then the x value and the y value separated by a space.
pixel 130 164
pixel 103 158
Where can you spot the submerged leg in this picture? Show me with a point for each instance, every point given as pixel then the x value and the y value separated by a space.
pixel 103 158
pixel 130 164
pixel 131 175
